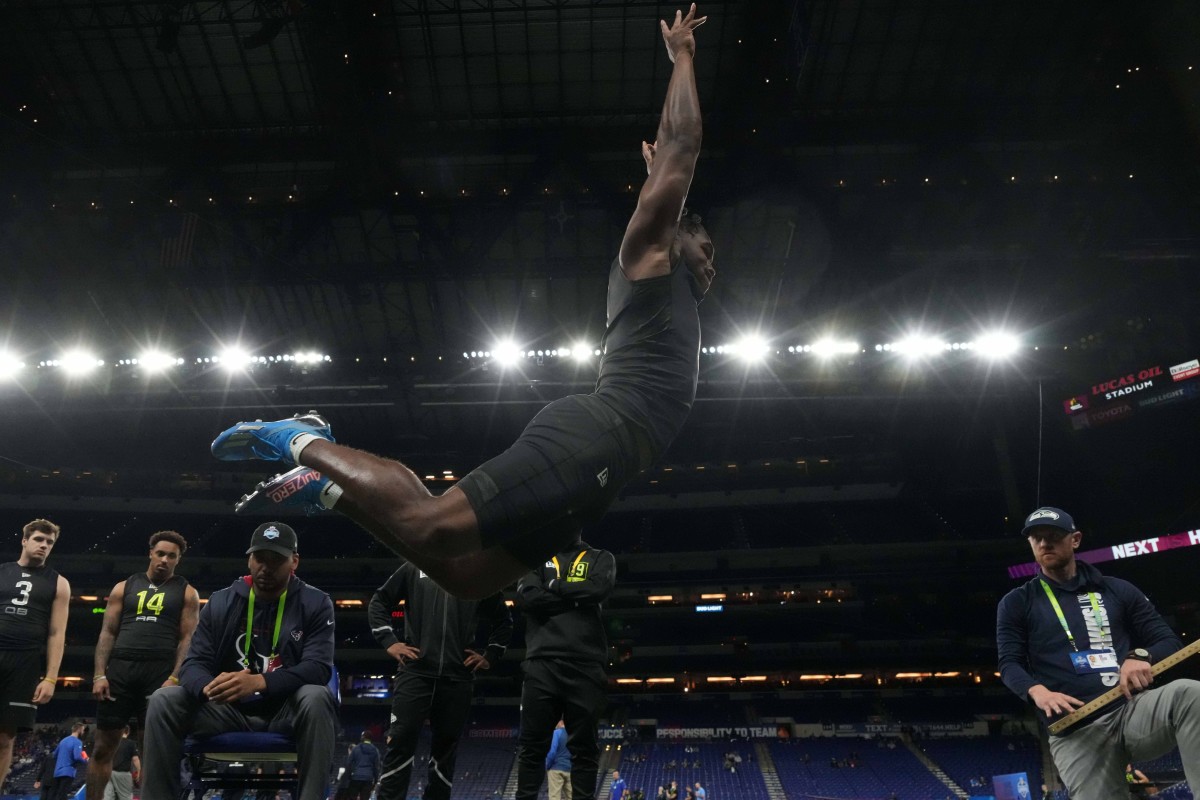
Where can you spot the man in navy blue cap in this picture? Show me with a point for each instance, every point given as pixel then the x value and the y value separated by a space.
pixel 260 660
pixel 1070 635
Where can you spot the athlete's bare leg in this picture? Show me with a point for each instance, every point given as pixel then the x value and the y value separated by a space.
pixel 439 534
pixel 99 769
pixel 6 745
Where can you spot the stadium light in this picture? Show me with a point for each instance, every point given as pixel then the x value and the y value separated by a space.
pixel 505 353
pixel 996 345
pixel 582 351
pixel 234 359
pixel 827 348
pixel 79 362
pixel 157 361
pixel 919 346
pixel 10 365
pixel 750 349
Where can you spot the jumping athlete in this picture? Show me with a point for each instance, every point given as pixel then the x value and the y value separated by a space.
pixel 573 458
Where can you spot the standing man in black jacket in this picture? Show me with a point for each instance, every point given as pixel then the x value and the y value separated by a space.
pixel 565 654
pixel 436 665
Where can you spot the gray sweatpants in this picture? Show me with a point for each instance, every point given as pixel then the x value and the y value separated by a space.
pixel 120 786
pixel 1092 759
pixel 309 715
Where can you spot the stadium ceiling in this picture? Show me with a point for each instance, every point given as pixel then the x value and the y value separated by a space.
pixel 413 178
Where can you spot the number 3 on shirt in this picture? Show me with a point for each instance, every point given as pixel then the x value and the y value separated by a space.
pixel 26 587
pixel 155 603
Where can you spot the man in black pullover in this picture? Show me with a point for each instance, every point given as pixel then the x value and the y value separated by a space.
pixel 565 654
pixel 1071 634
pixel 437 662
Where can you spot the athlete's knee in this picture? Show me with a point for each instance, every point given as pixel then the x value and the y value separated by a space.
pixel 106 744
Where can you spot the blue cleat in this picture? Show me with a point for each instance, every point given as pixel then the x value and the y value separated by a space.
pixel 268 440
pixel 297 490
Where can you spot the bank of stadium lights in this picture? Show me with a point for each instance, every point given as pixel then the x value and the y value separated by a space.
pixel 506 353
pixel 827 348
pixel 75 362
pixel 236 359
pixel 918 346
pixel 152 361
pixel 750 349
pixel 994 346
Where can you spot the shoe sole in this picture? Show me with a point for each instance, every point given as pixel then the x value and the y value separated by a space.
pixel 274 492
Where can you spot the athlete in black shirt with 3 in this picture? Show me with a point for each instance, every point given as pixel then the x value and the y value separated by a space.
pixel 33 630
pixel 515 511
pixel 148 625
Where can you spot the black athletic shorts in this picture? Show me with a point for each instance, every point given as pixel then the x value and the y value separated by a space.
pixel 564 471
pixel 131 682
pixel 20 671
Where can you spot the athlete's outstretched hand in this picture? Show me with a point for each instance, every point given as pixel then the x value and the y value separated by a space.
pixel 679 36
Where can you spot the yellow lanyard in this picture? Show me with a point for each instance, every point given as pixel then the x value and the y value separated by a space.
pixel 1063 620
pixel 249 627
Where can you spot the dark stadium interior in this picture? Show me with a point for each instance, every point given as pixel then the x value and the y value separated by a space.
pixel 400 185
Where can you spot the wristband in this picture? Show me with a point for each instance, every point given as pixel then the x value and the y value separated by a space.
pixel 51 681
pixel 99 678
pixel 173 679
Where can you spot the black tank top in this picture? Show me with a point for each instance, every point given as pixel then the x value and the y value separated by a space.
pixel 651 351
pixel 150 616
pixel 26 595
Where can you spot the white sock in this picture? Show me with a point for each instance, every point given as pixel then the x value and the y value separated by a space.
pixel 298 443
pixel 330 495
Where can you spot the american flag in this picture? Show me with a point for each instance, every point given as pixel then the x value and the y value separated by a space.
pixel 177 250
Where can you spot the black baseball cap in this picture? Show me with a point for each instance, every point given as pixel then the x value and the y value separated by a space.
pixel 274 536
pixel 1049 517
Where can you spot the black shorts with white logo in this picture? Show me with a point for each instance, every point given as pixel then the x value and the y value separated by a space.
pixel 565 470
pixel 131 682
pixel 20 671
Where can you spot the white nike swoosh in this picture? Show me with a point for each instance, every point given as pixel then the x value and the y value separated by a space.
pixel 329 623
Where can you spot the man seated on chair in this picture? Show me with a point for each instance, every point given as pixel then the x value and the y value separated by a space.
pixel 260 660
